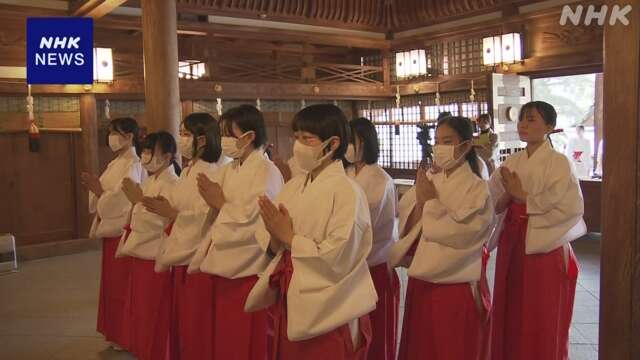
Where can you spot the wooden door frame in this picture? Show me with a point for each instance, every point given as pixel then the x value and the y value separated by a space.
pixel 620 255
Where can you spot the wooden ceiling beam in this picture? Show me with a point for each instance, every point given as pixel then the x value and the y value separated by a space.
pixel 94 8
pixel 201 90
pixel 250 33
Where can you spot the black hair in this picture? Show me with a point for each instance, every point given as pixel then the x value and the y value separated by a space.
pixel 247 118
pixel 580 127
pixel 462 126
pixel 486 117
pixel 127 125
pixel 366 131
pixel 204 124
pixel 324 121
pixel 546 111
pixel 444 114
pixel 167 144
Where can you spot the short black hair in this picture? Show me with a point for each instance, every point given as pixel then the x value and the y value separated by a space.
pixel 546 111
pixel 204 124
pixel 462 126
pixel 366 131
pixel 167 144
pixel 444 114
pixel 127 125
pixel 485 117
pixel 324 121
pixel 247 118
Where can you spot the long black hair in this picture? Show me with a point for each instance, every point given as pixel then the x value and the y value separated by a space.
pixel 324 121
pixel 167 144
pixel 366 131
pixel 247 118
pixel 127 125
pixel 204 124
pixel 462 126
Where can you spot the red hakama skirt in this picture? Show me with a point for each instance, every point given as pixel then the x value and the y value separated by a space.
pixel 334 345
pixel 384 319
pixel 192 315
pixel 237 335
pixel 113 306
pixel 446 321
pixel 150 310
pixel 533 301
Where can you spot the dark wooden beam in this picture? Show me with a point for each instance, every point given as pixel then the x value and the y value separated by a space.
pixel 94 8
pixel 199 89
pixel 251 33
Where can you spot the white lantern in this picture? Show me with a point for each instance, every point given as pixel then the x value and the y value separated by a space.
pixel 504 49
pixel 102 65
pixel 401 65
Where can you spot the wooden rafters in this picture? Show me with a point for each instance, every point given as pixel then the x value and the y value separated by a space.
pixel 94 8
pixel 377 15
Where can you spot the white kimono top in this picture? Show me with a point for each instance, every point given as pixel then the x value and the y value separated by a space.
pixel 148 228
pixel 454 228
pixel 232 250
pixel 112 208
pixel 580 152
pixel 191 226
pixel 380 190
pixel 554 205
pixel 331 285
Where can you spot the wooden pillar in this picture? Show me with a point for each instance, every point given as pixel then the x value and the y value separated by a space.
pixel 187 108
pixel 386 69
pixel 87 155
pixel 620 274
pixel 160 45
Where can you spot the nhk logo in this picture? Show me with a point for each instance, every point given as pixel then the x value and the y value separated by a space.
pixel 59 50
pixel 617 14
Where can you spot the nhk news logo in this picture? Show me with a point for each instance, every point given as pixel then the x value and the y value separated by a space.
pixel 617 14
pixel 60 50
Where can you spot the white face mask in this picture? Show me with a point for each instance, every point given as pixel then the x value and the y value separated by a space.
pixel 116 142
pixel 230 146
pixel 444 156
pixel 152 164
pixel 350 155
pixel 308 157
pixel 185 146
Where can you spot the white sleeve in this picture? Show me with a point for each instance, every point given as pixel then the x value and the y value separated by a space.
pixel 458 228
pixel 348 234
pixel 113 202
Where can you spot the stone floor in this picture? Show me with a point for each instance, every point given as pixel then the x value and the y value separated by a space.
pixel 48 309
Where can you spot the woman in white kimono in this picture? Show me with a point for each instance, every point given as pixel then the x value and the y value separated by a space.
pixel 319 232
pixel 232 254
pixel 150 291
pixel 445 222
pixel 363 153
pixel 111 208
pixel 536 270
pixel 192 323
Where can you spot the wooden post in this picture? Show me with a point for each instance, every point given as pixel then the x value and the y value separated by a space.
pixel 386 69
pixel 88 159
pixel 187 108
pixel 161 86
pixel 620 275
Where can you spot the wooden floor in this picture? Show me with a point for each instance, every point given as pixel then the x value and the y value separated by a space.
pixel 48 309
